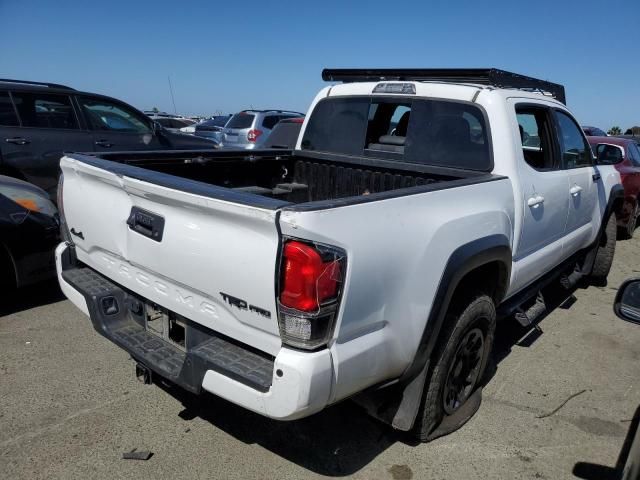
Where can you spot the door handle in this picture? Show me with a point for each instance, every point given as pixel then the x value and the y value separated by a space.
pixel 104 143
pixel 17 140
pixel 596 177
pixel 575 190
pixel 535 201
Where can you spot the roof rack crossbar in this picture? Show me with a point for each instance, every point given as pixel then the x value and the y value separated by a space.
pixel 277 110
pixel 482 76
pixel 43 84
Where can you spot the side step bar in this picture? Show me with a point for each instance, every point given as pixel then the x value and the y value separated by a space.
pixel 531 315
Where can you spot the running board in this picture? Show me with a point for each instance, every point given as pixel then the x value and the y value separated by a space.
pixel 530 316
pixel 571 280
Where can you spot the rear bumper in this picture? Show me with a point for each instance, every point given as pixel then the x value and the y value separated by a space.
pixel 290 385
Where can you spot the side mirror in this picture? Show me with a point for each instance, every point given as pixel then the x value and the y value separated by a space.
pixel 608 154
pixel 627 304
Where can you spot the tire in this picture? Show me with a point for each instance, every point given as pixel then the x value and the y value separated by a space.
pixel 605 252
pixel 626 233
pixel 7 274
pixel 475 319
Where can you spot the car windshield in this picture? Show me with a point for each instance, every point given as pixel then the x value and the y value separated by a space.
pixel 215 122
pixel 241 120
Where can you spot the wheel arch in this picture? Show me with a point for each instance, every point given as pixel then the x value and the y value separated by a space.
pixel 488 258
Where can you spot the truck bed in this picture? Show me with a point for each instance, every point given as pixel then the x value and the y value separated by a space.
pixel 288 177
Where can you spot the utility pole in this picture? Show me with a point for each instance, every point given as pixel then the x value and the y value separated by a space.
pixel 173 100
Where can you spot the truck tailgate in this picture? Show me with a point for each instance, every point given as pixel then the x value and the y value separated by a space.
pixel 209 260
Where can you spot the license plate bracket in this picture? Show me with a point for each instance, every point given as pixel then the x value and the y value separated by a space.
pixel 167 325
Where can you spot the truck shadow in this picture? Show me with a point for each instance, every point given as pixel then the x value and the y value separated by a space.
pixel 33 296
pixel 338 441
pixel 510 333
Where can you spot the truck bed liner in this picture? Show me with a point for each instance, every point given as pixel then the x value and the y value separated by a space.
pixel 280 178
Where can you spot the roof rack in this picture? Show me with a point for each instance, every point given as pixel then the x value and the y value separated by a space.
pixel 483 76
pixel 277 110
pixel 41 84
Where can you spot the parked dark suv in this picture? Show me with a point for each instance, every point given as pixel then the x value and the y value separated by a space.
pixel 40 121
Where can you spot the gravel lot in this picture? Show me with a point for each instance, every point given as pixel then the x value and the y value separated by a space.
pixel 70 406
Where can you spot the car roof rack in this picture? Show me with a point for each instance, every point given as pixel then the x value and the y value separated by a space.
pixel 277 110
pixel 483 76
pixel 40 84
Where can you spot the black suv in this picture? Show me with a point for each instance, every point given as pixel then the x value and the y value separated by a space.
pixel 40 121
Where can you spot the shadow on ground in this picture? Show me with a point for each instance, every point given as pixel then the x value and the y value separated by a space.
pixel 33 296
pixel 340 440
pixel 594 471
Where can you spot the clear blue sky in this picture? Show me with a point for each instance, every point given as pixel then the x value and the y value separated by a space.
pixel 225 56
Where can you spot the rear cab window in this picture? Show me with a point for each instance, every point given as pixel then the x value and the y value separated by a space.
pixel 241 120
pixel 423 131
pixel 45 110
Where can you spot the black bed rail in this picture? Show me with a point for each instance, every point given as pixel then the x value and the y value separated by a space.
pixel 482 76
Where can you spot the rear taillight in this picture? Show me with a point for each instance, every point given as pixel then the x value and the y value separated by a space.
pixel 253 135
pixel 64 230
pixel 310 287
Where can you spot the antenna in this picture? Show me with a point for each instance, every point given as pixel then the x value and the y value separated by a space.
pixel 173 100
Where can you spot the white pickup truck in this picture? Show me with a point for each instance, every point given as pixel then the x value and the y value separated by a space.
pixel 371 262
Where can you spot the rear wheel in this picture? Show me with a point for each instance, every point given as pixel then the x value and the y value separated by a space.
pixel 459 368
pixel 606 250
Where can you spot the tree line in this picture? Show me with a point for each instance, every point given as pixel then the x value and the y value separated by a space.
pixel 629 131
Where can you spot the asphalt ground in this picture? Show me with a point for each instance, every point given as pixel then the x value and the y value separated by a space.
pixel 70 406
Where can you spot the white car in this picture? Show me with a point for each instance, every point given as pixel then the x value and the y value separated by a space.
pixel 371 262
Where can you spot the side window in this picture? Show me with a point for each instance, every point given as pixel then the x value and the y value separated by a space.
pixel 107 116
pixel 537 147
pixel 45 110
pixel 8 117
pixel 573 147
pixel 634 154
pixel 270 121
pixel 608 154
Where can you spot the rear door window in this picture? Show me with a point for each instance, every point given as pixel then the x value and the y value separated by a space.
pixel 241 120
pixel 8 117
pixel 270 121
pixel 429 132
pixel 534 125
pixel 45 110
